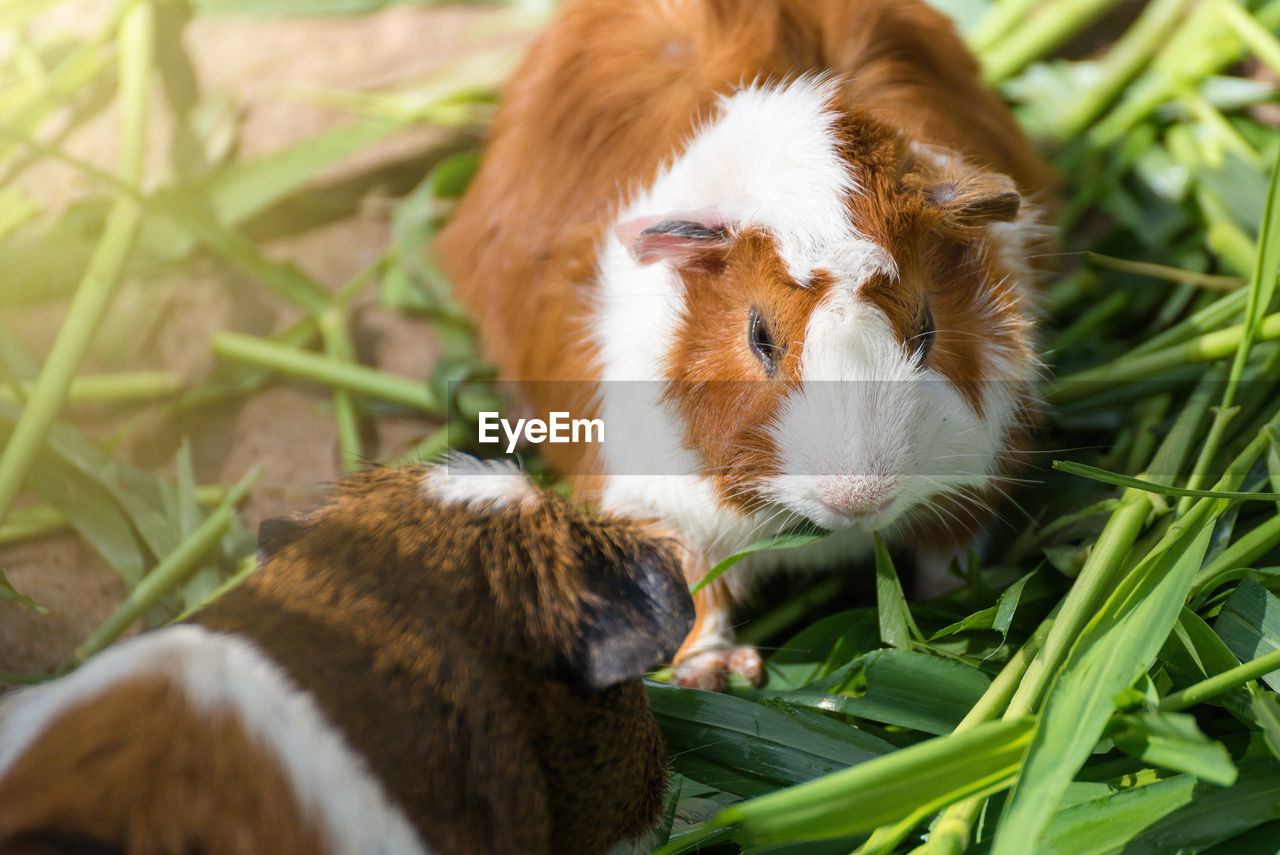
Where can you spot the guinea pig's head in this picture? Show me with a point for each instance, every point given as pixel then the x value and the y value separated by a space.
pixel 840 332
pixel 523 575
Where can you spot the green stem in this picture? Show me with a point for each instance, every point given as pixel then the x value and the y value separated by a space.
pixel 81 67
pixel 1107 560
pixel 1051 27
pixel 339 347
pixel 171 571
pixel 1209 318
pixel 1202 348
pixel 1227 240
pixel 98 287
pixel 1260 40
pixel 32 522
pixel 99 388
pixel 1211 118
pixel 1124 60
pixel 1219 683
pixel 1243 552
pixel 953 828
pixel 1096 580
pixel 1261 290
pixel 319 369
pixel 1001 18
pixel 248 567
pixel 1208 281
pixel 26 523
pixel 1199 48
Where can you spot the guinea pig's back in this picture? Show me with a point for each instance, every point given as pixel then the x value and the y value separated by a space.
pixel 611 91
pixel 186 740
pixel 602 99
pixel 904 63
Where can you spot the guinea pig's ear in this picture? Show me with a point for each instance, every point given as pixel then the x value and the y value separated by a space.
pixel 675 237
pixel 977 198
pixel 966 194
pixel 275 534
pixel 640 613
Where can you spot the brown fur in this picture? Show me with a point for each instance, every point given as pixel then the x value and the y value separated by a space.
pixel 719 388
pixel 98 775
pixel 482 661
pixel 468 646
pixel 613 89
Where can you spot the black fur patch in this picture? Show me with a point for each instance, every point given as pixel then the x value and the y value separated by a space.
pixel 642 615
pixel 275 534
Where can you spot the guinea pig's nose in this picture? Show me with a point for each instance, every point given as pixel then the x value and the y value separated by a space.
pixel 854 496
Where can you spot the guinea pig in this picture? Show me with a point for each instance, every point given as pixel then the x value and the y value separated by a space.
pixel 439 661
pixel 782 250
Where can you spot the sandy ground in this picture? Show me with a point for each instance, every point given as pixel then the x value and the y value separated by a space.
pixel 262 66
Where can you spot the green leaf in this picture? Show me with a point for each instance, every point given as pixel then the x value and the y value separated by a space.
pixel 418 218
pixel 750 748
pixel 801 535
pixel 1152 487
pixel 998 617
pixel 1102 826
pixel 1266 711
pixel 93 514
pixel 898 687
pixel 1249 625
pixel 1117 646
pixel 1213 814
pixel 1259 840
pixel 1194 652
pixel 206 579
pixel 1173 741
pixel 249 187
pixel 897 627
pixel 923 777
pixel 9 595
pixel 1174 815
pixel 823 647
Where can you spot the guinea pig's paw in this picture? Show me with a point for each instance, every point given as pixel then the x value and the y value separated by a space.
pixel 710 669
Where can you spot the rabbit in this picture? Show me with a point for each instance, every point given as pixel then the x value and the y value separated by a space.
pixel 440 661
pixel 786 252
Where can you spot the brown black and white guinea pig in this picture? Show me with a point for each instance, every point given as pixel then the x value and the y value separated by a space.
pixel 803 225
pixel 438 661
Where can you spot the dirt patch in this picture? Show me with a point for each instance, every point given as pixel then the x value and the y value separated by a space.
pixel 269 69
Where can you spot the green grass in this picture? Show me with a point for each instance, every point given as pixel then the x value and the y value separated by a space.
pixel 1105 679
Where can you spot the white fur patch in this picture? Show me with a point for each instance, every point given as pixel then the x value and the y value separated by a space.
pixel 871 433
pixel 220 672
pixel 461 479
pixel 769 160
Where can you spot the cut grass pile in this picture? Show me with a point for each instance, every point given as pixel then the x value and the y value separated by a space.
pixel 1105 680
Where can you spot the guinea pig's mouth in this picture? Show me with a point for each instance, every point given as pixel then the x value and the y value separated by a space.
pixel 838 502
pixel 871 519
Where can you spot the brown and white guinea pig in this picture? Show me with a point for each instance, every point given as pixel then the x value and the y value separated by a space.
pixel 802 224
pixel 434 662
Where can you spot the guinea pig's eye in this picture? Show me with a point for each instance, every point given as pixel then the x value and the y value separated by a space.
pixel 922 341
pixel 762 343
